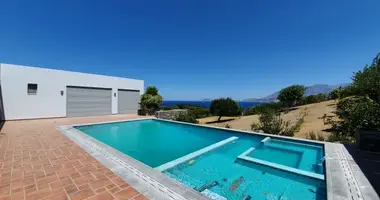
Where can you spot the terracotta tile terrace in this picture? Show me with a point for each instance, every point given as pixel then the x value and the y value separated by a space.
pixel 38 162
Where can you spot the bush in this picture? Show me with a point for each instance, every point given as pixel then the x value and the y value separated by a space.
pixel 255 110
pixel 196 111
pixel 291 95
pixel 313 99
pixel 225 107
pixel 357 113
pixel 271 122
pixel 186 118
pixel 335 93
pixel 315 136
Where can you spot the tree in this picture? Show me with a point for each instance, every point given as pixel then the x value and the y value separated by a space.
pixel 359 106
pixel 291 95
pixel 225 107
pixel 335 94
pixel 367 82
pixel 151 99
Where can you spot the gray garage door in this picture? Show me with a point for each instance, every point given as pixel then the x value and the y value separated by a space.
pixel 82 101
pixel 128 101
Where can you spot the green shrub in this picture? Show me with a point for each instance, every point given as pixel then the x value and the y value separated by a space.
pixel 196 111
pixel 357 113
pixel 186 118
pixel 199 112
pixel 335 93
pixel 315 136
pixel 271 122
pixel 255 110
pixel 313 99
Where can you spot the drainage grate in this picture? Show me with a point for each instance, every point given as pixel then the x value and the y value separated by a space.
pixel 353 187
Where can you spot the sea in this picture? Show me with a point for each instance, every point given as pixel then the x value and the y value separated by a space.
pixel 206 104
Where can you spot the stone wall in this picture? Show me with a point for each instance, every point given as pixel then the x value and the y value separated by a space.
pixel 170 114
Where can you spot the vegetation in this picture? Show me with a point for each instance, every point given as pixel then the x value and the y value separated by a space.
pixel 186 118
pixel 196 111
pixel 225 107
pixel 313 99
pixel 316 136
pixel 255 110
pixel 270 121
pixel 150 101
pixel 335 94
pixel 359 107
pixel 291 95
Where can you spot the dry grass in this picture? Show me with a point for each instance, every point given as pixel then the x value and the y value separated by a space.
pixel 313 121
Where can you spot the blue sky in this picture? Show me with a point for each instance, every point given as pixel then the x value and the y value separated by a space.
pixel 200 49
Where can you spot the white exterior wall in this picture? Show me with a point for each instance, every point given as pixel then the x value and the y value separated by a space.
pixel 48 102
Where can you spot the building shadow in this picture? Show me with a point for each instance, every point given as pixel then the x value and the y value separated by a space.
pixel 369 163
pixel 2 115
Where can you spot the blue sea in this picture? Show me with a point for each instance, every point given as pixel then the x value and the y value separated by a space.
pixel 206 104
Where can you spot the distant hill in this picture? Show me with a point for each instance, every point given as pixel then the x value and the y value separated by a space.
pixel 310 90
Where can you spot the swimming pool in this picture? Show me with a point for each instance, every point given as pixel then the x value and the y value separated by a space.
pixel 219 172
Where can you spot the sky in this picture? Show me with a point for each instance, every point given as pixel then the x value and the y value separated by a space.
pixel 193 50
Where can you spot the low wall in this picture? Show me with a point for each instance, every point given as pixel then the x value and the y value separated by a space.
pixel 170 114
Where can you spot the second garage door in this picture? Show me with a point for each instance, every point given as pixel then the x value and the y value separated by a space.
pixel 128 101
pixel 83 101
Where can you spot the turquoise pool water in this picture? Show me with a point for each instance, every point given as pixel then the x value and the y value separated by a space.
pixel 156 142
pixel 153 142
pixel 291 154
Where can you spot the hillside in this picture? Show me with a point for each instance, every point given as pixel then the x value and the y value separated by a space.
pixel 310 90
pixel 313 120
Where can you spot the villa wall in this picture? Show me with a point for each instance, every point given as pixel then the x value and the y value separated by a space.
pixel 49 100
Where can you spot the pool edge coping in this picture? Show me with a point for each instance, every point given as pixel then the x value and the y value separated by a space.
pixel 333 191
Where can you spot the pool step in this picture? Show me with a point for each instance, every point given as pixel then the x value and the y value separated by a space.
pixel 267 139
pixel 247 197
pixel 195 154
pixel 207 186
pixel 213 195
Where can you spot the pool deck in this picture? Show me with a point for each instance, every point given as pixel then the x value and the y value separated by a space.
pixel 39 162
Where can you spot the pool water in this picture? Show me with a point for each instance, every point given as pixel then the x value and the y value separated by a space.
pixel 291 154
pixel 260 182
pixel 277 155
pixel 156 142
pixel 153 142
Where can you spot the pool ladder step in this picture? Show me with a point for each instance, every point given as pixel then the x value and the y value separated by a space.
pixel 246 197
pixel 207 186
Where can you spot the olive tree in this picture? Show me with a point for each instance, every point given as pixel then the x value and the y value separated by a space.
pixel 225 107
pixel 289 96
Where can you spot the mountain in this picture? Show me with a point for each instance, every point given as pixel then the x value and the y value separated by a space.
pixel 310 90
